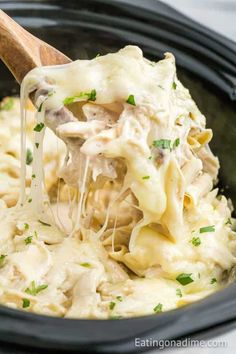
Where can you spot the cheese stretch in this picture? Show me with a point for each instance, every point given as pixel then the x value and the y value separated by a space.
pixel 117 214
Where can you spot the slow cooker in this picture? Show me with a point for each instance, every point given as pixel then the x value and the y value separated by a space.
pixel 207 66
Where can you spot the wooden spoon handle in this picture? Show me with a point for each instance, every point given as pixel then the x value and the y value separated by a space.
pixel 21 51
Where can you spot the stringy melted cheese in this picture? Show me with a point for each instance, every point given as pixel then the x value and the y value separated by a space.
pixel 139 209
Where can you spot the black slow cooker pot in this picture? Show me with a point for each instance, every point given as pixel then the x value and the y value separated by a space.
pixel 207 65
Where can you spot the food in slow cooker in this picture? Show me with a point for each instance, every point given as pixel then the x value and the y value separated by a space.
pixel 112 210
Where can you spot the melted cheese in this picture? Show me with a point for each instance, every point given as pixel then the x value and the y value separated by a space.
pixel 139 210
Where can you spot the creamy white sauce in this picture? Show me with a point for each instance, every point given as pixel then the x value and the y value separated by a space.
pixel 139 210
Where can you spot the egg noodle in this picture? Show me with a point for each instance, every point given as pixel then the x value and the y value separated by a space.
pixel 112 210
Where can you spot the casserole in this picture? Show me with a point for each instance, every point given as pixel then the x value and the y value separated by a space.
pixel 100 27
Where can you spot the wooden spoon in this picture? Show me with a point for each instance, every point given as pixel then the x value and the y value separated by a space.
pixel 21 51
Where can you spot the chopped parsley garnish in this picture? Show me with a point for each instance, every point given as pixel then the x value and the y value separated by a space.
pixel 158 308
pixel 174 86
pixel 213 281
pixel 179 292
pixel 34 290
pixel 39 127
pixel 69 100
pixel 145 177
pixel 207 229
pixel 166 144
pixel 2 259
pixel 28 240
pixel 85 264
pixel 184 278
pixel 41 104
pixel 112 305
pixel 26 226
pixel 119 298
pixel 162 144
pixel 29 200
pixel 150 157
pixel 51 93
pixel 228 222
pixel 37 145
pixel 7 104
pixel 176 143
pixel 33 176
pixel 90 96
pixel 118 317
pixel 44 223
pixel 131 100
pixel 26 303
pixel 40 107
pixel 196 241
pixel 29 157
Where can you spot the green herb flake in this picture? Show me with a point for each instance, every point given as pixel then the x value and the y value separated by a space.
pixel 229 222
pixel 37 145
pixel 69 100
pixel 112 305
pixel 207 229
pixel 196 241
pixel 118 317
pixel 26 226
pixel 131 100
pixel 39 127
pixel 25 303
pixel 146 177
pixel 40 107
pixel 174 86
pixel 85 264
pixel 29 157
pixel 41 288
pixel 90 96
pixel 179 293
pixel 150 157
pixel 33 176
pixel 176 143
pixel 184 278
pixel 162 144
pixel 2 259
pixel 28 240
pixel 44 223
pixel 34 290
pixel 158 308
pixel 51 93
pixel 29 200
pixel 7 104
pixel 213 281
pixel 119 298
